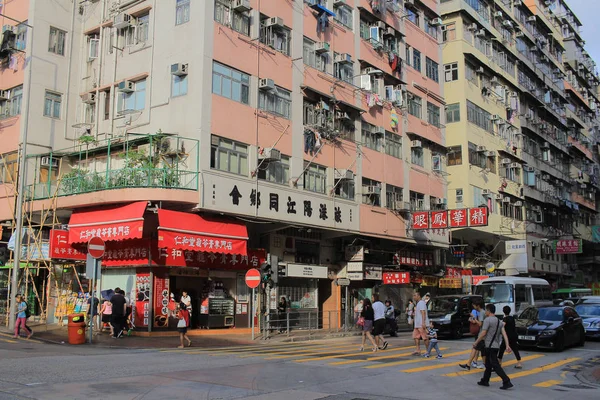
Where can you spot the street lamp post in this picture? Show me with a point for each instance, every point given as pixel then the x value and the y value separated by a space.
pixel 21 184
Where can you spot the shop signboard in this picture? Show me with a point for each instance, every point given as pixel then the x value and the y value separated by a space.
pixel 355 276
pixel 342 281
pixel 478 216
pixel 373 272
pixel 439 219
pixel 453 273
pixel 478 278
pixel 306 271
pixel 396 278
pixel 570 246
pixel 450 283
pixel 458 218
pixel 161 301
pixel 430 281
pixel 420 220
pixel 355 266
pixel 355 253
pixel 142 304
pixel 61 249
pixel 414 258
pixel 515 246
pixel 276 202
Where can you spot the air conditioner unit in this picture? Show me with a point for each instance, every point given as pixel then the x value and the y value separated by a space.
pixel 343 58
pixel 480 149
pixel 4 95
pixel 545 177
pixel 473 27
pixel 507 24
pixel 126 87
pixel 343 174
pixel 515 165
pixel 49 162
pixel 519 34
pixel 545 145
pixel 527 168
pixel 498 196
pixel 416 143
pixel 486 192
pixel 266 84
pixel 88 98
pixel 505 161
pixel 179 69
pixel 322 47
pixel 273 22
pixel 436 22
pixel 518 204
pixel 490 153
pixel 531 19
pixel 494 79
pixel 480 70
pixel 269 154
pixel 10 28
pixel 480 32
pixel 372 190
pixel 342 115
pixel 241 5
pixel 381 25
pixel 583 186
pixel 369 70
pixel 498 14
pixel 339 2
pixel 506 199
pixel 123 20
pixel 517 3
pixel 389 31
pixel 494 117
pixel 380 130
pixel 537 208
pixel 543 126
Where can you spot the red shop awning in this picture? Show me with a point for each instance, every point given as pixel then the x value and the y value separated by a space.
pixel 113 223
pixel 179 230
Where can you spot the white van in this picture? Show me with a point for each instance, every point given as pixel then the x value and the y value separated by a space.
pixel 516 292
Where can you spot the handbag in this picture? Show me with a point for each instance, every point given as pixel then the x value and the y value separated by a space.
pixel 182 323
pixel 361 321
pixel 474 328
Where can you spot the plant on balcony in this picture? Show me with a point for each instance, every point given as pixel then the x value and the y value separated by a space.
pixel 74 181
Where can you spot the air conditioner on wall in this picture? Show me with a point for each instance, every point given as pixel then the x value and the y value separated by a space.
pixel 88 98
pixel 241 5
pixel 518 204
pixel 372 190
pixel 498 196
pixel 486 192
pixel 515 165
pixel 416 143
pixel 273 22
pixel 49 162
pixel 4 95
pixel 480 148
pixel 343 174
pixel 506 199
pixel 126 86
pixel 343 58
pixel 269 154
pixel 505 161
pixel 123 20
pixel 179 69
pixel 527 168
pixel 322 47
pixel 266 84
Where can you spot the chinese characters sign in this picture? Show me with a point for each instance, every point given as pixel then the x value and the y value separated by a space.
pixel 396 278
pixel 458 218
pixel 450 283
pixel 61 249
pixel 414 258
pixel 209 244
pixel 568 246
pixel 516 246
pixel 161 296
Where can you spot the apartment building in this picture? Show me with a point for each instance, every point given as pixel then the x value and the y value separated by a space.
pixel 197 136
pixel 519 125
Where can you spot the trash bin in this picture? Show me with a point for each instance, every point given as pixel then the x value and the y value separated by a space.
pixel 76 328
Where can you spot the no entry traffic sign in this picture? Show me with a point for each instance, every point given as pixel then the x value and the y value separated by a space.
pixel 96 247
pixel 253 278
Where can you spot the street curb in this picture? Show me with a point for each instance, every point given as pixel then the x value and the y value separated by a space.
pixel 582 377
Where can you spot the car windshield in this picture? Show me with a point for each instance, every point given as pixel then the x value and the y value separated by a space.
pixel 444 305
pixel 550 314
pixel 495 292
pixel 587 311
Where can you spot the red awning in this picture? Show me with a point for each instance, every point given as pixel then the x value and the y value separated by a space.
pixel 111 223
pixel 179 230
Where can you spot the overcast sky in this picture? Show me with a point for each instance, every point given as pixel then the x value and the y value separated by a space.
pixel 588 12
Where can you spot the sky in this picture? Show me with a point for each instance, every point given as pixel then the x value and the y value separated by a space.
pixel 588 12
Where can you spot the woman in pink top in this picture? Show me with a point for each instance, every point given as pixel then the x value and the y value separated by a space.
pixel 106 312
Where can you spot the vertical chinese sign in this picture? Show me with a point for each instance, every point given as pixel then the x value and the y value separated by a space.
pixel 161 301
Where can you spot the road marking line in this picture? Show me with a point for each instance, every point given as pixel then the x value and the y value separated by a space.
pixel 276 353
pixel 375 358
pixel 8 341
pixel 235 349
pixel 421 358
pixel 282 350
pixel 539 369
pixel 511 362
pixel 340 355
pixel 547 384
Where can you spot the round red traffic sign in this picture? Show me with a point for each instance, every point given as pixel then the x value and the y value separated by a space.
pixel 96 247
pixel 253 278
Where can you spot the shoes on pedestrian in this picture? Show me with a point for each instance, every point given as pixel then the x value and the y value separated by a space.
pixel 426 355
pixel 439 356
pixel 480 366
pixel 15 337
pixel 506 386
pixel 482 383
pixel 385 345
pixel 518 366
pixel 473 364
pixel 375 349
pixel 189 343
pixel 114 337
pixel 465 366
pixel 416 353
pixel 361 348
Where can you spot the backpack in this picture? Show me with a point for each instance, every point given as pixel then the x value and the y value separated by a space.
pixel 27 312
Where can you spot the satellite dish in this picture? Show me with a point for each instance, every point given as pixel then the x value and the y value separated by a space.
pixel 490 267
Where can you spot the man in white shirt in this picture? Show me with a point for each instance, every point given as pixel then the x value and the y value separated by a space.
pixel 421 323
pixel 379 322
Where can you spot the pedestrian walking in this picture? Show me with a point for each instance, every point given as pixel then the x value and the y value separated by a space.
pixel 421 323
pixel 357 310
pixel 366 321
pixel 511 333
pixel 183 316
pixel 119 310
pixel 22 311
pixel 187 300
pixel 106 315
pixel 410 312
pixel 93 316
pixel 433 341
pixel 390 318
pixel 491 335
pixel 379 322
pixel 281 314
pixel 475 323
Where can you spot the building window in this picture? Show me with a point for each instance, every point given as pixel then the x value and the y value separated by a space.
pixel 57 41
pixel 459 197
pixel 479 117
pixel 453 113
pixel 345 188
pixel 230 83
pixel 52 104
pixel 430 29
pixel 89 113
pixel 511 173
pixel 21 39
pixel 277 37
pixel 179 85
pixel 93 47
pixel 393 197
pixel 416 64
pixel 393 145
pixel 371 137
pixel 143 28
pixel 12 106
pixel 412 16
pixel 106 105
pixel 312 58
pixel 432 69
pixel 454 155
pixel 275 171
pixel 238 21
pixel 433 114
pixel 414 105
pixel 449 33
pixel 182 11
pixel 278 101
pixel 343 71
pixel 471 74
pixel 416 156
pixel 229 156
pixel 135 100
pixel 343 15
pixel 417 201
pixel 315 178
pixel 371 192
pixel 451 72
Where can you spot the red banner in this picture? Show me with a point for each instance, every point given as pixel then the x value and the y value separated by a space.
pixel 478 216
pixel 420 220
pixel 414 258
pixel 439 219
pixel 458 218
pixel 571 246
pixel 478 278
pixel 208 244
pixel 452 273
pixel 161 296
pixel 396 278
pixel 187 258
pixel 61 249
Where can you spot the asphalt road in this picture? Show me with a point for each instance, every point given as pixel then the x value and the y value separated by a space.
pixel 332 370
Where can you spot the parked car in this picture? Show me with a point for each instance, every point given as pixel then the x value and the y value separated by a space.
pixel 450 314
pixel 550 328
pixel 590 313
pixel 589 299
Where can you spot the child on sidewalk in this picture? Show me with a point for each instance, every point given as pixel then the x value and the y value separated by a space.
pixel 433 341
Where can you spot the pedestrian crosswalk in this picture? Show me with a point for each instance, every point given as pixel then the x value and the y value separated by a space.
pixel 398 358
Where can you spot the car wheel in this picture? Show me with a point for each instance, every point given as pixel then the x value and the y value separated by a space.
pixel 457 332
pixel 560 343
pixel 581 342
